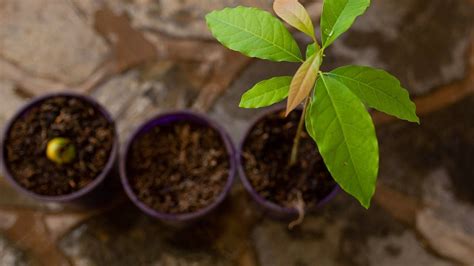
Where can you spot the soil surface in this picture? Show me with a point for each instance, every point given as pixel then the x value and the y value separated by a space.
pixel 67 117
pixel 178 168
pixel 266 155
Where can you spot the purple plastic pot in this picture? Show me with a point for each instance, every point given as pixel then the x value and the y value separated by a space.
pixel 93 192
pixel 272 209
pixel 165 119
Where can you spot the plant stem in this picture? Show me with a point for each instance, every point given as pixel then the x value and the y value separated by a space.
pixel 296 141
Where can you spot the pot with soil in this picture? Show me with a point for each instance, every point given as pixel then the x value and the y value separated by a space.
pixel 283 191
pixel 60 147
pixel 178 167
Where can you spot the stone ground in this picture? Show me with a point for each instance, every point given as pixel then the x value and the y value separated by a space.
pixel 143 57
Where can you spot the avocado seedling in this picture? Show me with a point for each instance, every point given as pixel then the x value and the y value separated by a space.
pixel 335 103
pixel 60 147
pixel 61 150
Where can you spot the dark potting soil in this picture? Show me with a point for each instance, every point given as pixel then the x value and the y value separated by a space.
pixel 67 117
pixel 178 168
pixel 266 155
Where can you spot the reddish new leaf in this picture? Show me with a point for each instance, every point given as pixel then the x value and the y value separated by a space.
pixel 303 82
pixel 294 14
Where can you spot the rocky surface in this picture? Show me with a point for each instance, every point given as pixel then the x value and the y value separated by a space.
pixel 8 107
pixel 176 18
pixel 421 214
pixel 48 38
pixel 10 255
pixel 135 240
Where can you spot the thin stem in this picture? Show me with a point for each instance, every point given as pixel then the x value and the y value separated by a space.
pixel 296 141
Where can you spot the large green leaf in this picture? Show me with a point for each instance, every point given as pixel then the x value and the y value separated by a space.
pixel 343 130
pixel 378 89
pixel 266 93
pixel 253 32
pixel 338 16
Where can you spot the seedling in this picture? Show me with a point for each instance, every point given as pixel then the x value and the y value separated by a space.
pixel 334 103
pixel 60 151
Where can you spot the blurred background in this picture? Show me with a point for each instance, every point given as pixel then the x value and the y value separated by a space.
pixel 142 57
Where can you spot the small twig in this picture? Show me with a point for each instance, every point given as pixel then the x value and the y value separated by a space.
pixel 184 138
pixel 296 142
pixel 299 206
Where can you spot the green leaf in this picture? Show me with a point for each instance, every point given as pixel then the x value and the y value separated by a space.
pixel 311 49
pixel 303 82
pixel 253 32
pixel 338 16
pixel 344 132
pixel 378 89
pixel 266 93
pixel 295 14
